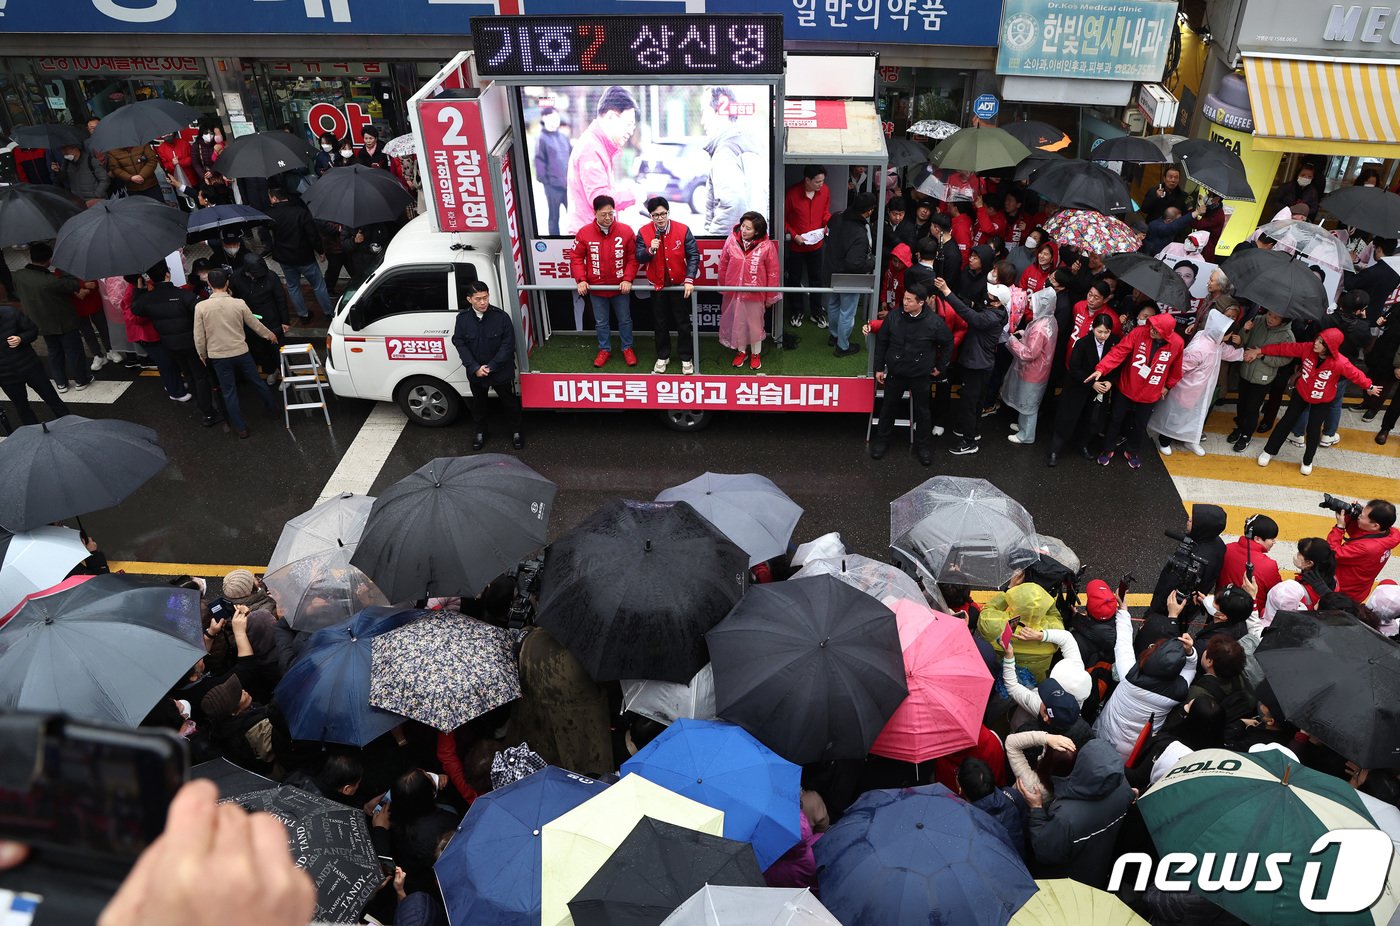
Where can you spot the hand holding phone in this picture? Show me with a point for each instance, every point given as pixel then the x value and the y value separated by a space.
pixel 1006 634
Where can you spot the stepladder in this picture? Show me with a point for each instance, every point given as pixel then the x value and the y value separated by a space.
pixel 906 421
pixel 303 383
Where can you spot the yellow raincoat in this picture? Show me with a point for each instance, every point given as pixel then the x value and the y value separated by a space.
pixel 1036 609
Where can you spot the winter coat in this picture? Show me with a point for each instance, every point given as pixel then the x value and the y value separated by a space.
pixel 1155 365
pixel 802 215
pixel 1075 835
pixel 561 713
pixel 1032 278
pixel 379 159
pixel 797 867
pixel 677 259
pixel 1261 372
pixel 590 175
pixel 734 162
pixel 16 362
pixel 263 291
pixel 486 341
pixel 1007 807
pixel 603 259
pixel 218 327
pixel 1212 223
pixel 126 163
pixel 1317 376
pixel 1360 557
pixel 203 154
pixel 1142 694
pixel 972 284
pixel 979 348
pixel 1289 193
pixel 913 345
pixel 85 178
pixel 1182 414
pixel 1379 281
pixel 1266 573
pixel 44 295
pixel 295 238
pixel 1032 354
pixel 962 235
pixel 990 223
pixel 361 259
pixel 850 248
pixel 1207 524
pixel 1161 233
pixel 552 151
pixel 956 326
pixel 171 311
pixel 1155 202
pixel 177 160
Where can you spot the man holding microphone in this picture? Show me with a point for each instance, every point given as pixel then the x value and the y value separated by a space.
pixel 671 257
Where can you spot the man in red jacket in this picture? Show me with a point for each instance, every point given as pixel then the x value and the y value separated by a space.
pixel 1153 352
pixel 672 260
pixel 806 215
pixel 1362 546
pixel 1260 532
pixel 604 262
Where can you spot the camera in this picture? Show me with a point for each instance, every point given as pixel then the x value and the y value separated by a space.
pixel 527 588
pixel 1186 563
pixel 1333 503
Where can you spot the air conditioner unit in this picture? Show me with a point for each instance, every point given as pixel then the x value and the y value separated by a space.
pixel 1158 105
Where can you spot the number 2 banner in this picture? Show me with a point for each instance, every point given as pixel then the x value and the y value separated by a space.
pixel 454 163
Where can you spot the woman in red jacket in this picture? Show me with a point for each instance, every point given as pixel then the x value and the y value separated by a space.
pixel 1323 365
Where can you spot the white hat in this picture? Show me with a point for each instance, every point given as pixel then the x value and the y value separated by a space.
pixel 1077 682
pixel 1003 293
pixel 1196 241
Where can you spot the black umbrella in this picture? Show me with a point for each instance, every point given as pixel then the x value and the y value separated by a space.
pixel 34 212
pixel 1277 281
pixel 1035 161
pixel 330 842
pixel 1371 210
pixel 1151 277
pixel 101 648
pixel 1035 135
pixel 231 780
pixel 656 869
pixel 633 588
pixel 68 467
pixel 454 525
pixel 1216 168
pixel 205 224
pixel 265 154
pixel 1077 184
pixel 811 667
pixel 137 124
pixel 1339 680
pixel 1130 149
pixel 49 136
pixel 118 237
pixel 355 196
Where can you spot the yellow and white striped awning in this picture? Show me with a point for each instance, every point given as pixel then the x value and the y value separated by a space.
pixel 1324 107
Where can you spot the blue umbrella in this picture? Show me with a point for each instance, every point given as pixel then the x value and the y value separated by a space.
pixel 325 694
pixel 722 766
pixel 213 218
pixel 919 856
pixel 490 871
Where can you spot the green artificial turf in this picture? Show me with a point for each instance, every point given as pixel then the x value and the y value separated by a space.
pixel 574 353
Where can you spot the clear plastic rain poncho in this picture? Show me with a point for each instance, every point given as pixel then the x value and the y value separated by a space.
pixel 1182 414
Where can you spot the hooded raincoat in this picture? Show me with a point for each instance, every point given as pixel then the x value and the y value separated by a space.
pixel 1031 356
pixel 741 314
pixel 1182 414
pixel 1036 609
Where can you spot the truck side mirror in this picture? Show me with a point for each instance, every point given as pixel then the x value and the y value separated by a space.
pixel 355 318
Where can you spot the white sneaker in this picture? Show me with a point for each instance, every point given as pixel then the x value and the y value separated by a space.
pixel 1017 439
pixel 1015 427
pixel 81 386
pixel 660 366
pixel 937 431
pixel 272 378
pixel 114 356
pixel 1297 441
pixel 181 398
pixel 1197 449
pixel 1305 469
pixel 687 368
pixel 98 363
pixel 61 387
pixel 1166 449
pixel 1330 440
pixel 1264 459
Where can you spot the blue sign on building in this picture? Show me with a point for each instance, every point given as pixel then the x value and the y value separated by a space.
pixel 1125 40
pixel 986 107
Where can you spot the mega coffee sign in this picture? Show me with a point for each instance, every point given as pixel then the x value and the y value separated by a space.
pixel 1284 27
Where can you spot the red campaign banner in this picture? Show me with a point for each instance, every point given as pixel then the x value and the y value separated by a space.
pixel 814 114
pixel 850 394
pixel 416 348
pixel 517 247
pixel 455 161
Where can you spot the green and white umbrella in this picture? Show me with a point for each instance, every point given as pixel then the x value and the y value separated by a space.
pixel 1221 802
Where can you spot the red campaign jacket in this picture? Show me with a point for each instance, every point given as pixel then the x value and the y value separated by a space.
pixel 1318 376
pixel 956 324
pixel 989 222
pixel 802 215
pixel 1018 228
pixel 1361 558
pixel 1266 573
pixel 604 259
pixel 1083 319
pixel 962 236
pixel 1154 367
pixel 678 258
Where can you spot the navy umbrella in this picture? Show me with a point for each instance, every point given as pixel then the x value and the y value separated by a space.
pixel 34 212
pixel 117 237
pixel 918 856
pixel 203 222
pixel 325 694
pixel 137 124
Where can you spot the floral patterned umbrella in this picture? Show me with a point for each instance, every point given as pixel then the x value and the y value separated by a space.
pixel 402 146
pixel 322 589
pixel 1092 232
pixel 935 129
pixel 444 671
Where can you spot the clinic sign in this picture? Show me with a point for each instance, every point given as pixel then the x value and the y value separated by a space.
pixel 1086 39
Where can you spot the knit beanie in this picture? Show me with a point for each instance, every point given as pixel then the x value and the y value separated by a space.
pixel 221 701
pixel 239 584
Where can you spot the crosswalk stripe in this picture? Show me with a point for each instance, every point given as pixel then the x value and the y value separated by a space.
pixel 101 392
pixel 1334 471
pixel 1356 435
pixel 1277 499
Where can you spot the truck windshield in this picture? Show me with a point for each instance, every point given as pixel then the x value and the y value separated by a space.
pixel 351 289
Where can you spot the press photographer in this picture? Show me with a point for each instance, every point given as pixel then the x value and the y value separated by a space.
pixel 1362 540
pixel 1195 564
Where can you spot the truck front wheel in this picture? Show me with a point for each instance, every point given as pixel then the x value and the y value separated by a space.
pixel 686 419
pixel 429 402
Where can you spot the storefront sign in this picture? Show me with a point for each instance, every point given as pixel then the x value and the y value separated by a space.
pixel 814 114
pixel 454 161
pixel 326 70
pixel 347 122
pixel 855 395
pixel 1354 30
pixel 898 22
pixel 93 66
pixel 1125 41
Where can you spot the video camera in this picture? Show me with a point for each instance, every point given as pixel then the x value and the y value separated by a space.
pixel 1333 503
pixel 527 588
pixel 1186 563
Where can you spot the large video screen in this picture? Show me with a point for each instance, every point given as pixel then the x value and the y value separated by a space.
pixel 706 149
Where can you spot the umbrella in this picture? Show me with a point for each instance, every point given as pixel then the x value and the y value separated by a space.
pixel 139 123
pixel 667 702
pixel 747 508
pixel 1033 162
pixel 356 196
pixel 454 525
pixel 325 693
pixel 1082 185
pixel 633 588
pixel 1278 282
pixel 34 212
pixel 34 560
pixel 330 842
pixel 809 666
pixel 490 871
pixel 322 589
pixel 49 136
pixel 951 186
pixel 1166 143
pixel 751 906
pixel 905 152
pixel 722 766
pixel 71 466
pixel 212 218
pixel 336 522
pixel 1151 277
pixel 962 530
pixel 1064 901
pixel 1312 243
pixel 265 154
pixel 117 237
pixel 948 688
pixel 1131 149
pixel 978 149
pixel 402 146
pixel 919 856
pixel 576 844
pixel 1342 683
pixel 1035 134
pixel 1092 232
pixel 1372 210
pixel 935 129
pixel 879 580
pixel 231 780
pixel 1239 804
pixel 444 670
pixel 101 648
pixel 655 869
pixel 1216 168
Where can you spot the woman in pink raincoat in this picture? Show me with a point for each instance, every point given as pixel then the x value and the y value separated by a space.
pixel 1182 414
pixel 749 258
pixel 1032 352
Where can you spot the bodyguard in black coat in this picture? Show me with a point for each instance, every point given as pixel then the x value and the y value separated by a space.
pixel 20 367
pixel 485 340
pixel 171 311
pixel 913 345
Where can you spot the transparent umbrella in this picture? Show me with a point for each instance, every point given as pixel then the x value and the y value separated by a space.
pixel 667 702
pixel 1313 243
pixel 878 580
pixel 967 531
pixel 322 589
pixel 336 522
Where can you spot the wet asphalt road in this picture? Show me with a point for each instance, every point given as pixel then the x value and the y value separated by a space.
pixel 222 501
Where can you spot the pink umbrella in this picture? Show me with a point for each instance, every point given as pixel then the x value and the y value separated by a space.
pixel 948 688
